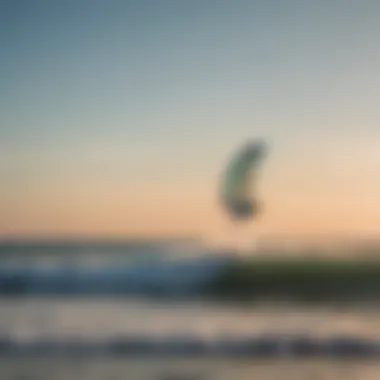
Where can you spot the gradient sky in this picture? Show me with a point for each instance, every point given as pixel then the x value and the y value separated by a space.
pixel 116 117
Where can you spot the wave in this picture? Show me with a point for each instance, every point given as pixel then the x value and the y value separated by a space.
pixel 252 346
pixel 222 276
pixel 170 276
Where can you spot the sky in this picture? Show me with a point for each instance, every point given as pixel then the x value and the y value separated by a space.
pixel 117 117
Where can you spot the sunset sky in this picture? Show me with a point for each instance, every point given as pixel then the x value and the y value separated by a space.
pixel 116 117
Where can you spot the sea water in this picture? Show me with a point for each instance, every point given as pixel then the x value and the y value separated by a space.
pixel 100 316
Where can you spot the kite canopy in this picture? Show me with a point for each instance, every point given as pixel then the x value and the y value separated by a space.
pixel 238 180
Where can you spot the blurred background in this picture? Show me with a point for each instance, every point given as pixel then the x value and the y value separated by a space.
pixel 117 120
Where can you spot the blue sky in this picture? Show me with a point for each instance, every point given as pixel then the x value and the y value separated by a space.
pixel 103 102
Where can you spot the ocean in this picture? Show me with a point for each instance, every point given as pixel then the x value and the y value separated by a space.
pixel 135 311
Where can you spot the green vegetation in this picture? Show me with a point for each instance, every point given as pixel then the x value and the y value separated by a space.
pixel 299 280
